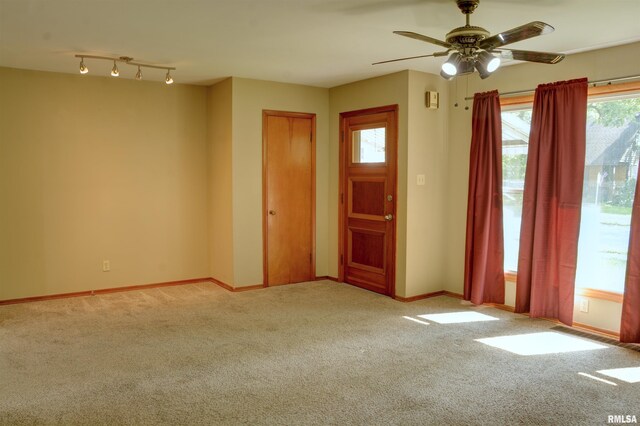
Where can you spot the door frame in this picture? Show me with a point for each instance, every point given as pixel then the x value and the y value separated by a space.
pixel 265 185
pixel 342 189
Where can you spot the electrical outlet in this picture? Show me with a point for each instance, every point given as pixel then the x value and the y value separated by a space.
pixel 106 266
pixel 421 180
pixel 584 305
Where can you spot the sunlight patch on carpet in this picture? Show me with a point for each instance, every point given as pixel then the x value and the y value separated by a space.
pixel 540 343
pixel 598 379
pixel 458 317
pixel 629 375
pixel 416 320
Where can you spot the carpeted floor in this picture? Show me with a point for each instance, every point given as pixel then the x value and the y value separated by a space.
pixel 313 353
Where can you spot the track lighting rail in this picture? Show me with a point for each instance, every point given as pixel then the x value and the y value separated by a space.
pixel 128 61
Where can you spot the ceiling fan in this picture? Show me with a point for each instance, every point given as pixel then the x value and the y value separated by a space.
pixel 474 48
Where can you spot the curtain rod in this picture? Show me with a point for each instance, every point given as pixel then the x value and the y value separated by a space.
pixel 594 82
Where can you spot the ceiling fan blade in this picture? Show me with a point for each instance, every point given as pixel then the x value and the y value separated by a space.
pixel 527 55
pixel 437 54
pixel 523 32
pixel 423 38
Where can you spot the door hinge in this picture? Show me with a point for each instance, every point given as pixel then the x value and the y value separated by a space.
pixel 310 138
pixel 342 259
pixel 310 258
pixel 342 137
pixel 342 198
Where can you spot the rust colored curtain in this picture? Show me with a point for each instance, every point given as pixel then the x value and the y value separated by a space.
pixel 630 326
pixel 552 200
pixel 484 251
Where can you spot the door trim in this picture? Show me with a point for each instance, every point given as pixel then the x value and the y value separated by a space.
pixel 265 114
pixel 342 189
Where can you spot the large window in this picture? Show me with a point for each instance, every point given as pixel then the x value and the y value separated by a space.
pixel 611 170
pixel 515 144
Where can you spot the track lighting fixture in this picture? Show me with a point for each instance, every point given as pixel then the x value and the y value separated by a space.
pixel 128 61
pixel 114 70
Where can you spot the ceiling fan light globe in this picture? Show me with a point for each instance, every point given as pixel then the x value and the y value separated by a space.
pixel 449 69
pixel 482 70
pixel 446 76
pixel 487 62
pixel 493 64
pixel 451 66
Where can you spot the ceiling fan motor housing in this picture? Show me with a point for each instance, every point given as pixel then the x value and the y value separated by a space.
pixel 467 36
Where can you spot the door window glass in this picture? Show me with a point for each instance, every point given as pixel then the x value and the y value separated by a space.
pixel 368 145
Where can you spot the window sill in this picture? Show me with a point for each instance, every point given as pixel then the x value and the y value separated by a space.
pixel 599 294
pixel 510 276
pixel 584 292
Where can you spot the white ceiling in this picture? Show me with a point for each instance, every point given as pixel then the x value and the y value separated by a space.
pixel 315 42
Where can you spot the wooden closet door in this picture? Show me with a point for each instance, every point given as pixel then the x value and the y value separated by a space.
pixel 289 198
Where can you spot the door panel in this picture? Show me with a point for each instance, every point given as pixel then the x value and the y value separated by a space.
pixel 289 187
pixel 368 198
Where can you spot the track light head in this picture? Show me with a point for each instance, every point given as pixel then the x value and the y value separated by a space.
pixel 168 78
pixel 139 74
pixel 83 68
pixel 114 70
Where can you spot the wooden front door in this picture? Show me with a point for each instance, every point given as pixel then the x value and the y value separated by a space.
pixel 368 198
pixel 288 197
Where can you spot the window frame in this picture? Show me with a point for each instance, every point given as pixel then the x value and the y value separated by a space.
pixel 517 102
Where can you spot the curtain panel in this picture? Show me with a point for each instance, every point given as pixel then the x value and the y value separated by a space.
pixel 630 325
pixel 552 200
pixel 484 250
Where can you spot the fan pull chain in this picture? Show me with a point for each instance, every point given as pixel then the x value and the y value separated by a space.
pixel 456 94
pixel 466 94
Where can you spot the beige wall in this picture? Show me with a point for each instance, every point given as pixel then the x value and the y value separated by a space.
pixel 427 155
pixel 219 135
pixel 93 169
pixel 250 98
pixel 600 64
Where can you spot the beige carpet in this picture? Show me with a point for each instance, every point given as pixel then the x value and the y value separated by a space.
pixel 313 353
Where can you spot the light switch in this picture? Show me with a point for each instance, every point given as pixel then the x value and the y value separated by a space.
pixel 421 180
